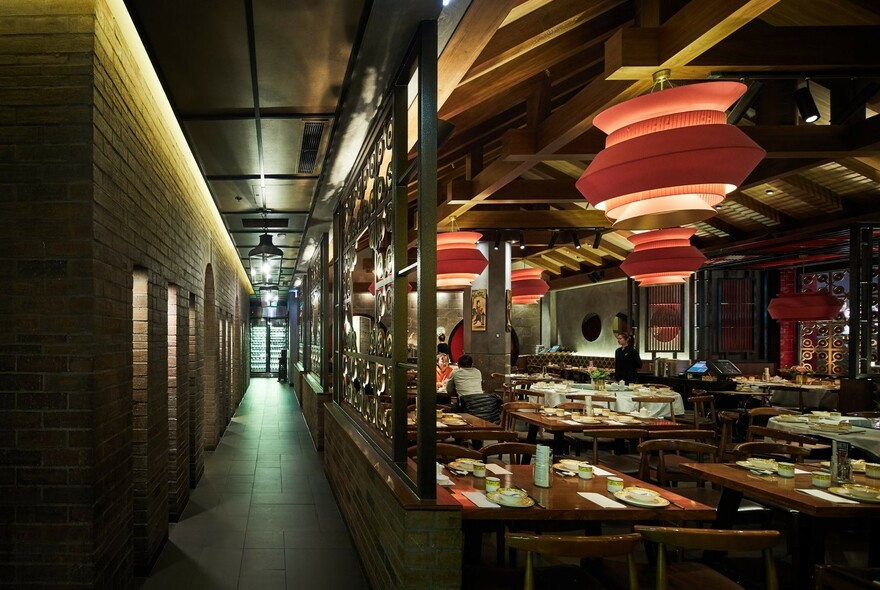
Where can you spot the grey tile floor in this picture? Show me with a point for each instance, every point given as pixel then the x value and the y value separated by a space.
pixel 263 516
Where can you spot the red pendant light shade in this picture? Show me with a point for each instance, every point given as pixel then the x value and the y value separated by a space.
pixel 459 261
pixel 663 257
pixel 670 157
pixel 526 286
pixel 810 306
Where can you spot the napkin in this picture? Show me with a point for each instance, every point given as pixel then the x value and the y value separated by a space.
pixel 443 480
pixel 600 472
pixel 480 500
pixel 601 500
pixel 440 424
pixel 572 422
pixel 497 469
pixel 827 496
pixel 800 471
pixel 615 422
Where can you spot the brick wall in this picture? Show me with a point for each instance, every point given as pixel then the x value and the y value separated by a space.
pixel 95 182
pixel 313 399
pixel 401 545
pixel 178 404
pixel 788 331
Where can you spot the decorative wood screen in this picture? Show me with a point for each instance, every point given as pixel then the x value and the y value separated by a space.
pixel 825 345
pixel 665 319
pixel 736 315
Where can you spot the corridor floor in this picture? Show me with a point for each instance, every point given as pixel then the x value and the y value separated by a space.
pixel 263 516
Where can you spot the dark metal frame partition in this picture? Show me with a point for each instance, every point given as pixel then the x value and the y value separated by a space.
pixel 378 203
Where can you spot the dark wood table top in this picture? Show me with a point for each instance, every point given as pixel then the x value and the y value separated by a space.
pixel 781 491
pixel 561 500
pixel 557 423
pixel 471 423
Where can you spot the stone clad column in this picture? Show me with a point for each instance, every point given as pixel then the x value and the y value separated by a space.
pixel 491 349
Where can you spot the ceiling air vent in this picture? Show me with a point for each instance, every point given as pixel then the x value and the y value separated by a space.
pixel 259 223
pixel 311 141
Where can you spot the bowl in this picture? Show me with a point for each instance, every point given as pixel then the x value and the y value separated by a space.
pixel 641 494
pixel 863 491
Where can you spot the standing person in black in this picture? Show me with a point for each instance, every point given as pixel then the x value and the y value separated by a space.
pixel 442 346
pixel 626 359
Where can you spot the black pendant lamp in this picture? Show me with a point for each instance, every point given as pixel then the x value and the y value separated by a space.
pixel 265 262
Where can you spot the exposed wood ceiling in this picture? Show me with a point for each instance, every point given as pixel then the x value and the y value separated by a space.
pixel 521 81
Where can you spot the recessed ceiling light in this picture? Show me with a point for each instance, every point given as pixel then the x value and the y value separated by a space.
pixel 769 191
pixel 237 197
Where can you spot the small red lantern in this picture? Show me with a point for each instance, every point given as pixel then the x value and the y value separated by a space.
pixel 526 286
pixel 809 306
pixel 459 261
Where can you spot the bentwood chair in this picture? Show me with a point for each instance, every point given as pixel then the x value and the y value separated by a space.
pixel 450 452
pixel 765 434
pixel 689 574
pixel 625 462
pixel 703 415
pixel 514 451
pixel 656 399
pixel 479 436
pixel 771 450
pixel 583 547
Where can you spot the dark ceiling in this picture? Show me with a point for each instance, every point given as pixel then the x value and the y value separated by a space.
pixel 276 98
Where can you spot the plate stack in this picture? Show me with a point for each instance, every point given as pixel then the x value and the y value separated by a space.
pixel 542 466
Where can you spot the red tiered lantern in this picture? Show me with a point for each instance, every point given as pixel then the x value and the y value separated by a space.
pixel 526 286
pixel 459 261
pixel 663 257
pixel 670 157
pixel 809 306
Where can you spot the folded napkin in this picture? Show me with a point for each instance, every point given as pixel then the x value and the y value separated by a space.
pixel 497 469
pixel 615 422
pixel 600 472
pixel 800 471
pixel 443 480
pixel 480 500
pixel 601 500
pixel 572 422
pixel 440 424
pixel 827 496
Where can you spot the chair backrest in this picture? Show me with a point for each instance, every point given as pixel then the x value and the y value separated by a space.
pixel 604 399
pixel 760 416
pixel 655 385
pixel 637 434
pixel 656 399
pixel 481 435
pixel 712 540
pixel 771 450
pixel 701 452
pixel 508 419
pixel 757 433
pixel 515 451
pixel 578 547
pixel 448 451
pixel 576 406
pixel 706 436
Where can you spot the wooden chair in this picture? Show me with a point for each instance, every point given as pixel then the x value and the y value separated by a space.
pixel 762 433
pixel 515 451
pixel 835 577
pixel 603 399
pixel 627 463
pixel 656 399
pixel 771 450
pixel 760 416
pixel 697 575
pixel 727 438
pixel 447 451
pixel 592 547
pixel 655 385
pixel 703 415
pixel 572 406
pixel 481 436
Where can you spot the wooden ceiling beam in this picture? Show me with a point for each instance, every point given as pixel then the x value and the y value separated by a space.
pixel 583 279
pixel 548 265
pixel 559 258
pixel 518 192
pixel 636 53
pixel 514 220
pixel 588 255
pixel 862 168
pixel 816 195
pixel 762 209
pixel 728 228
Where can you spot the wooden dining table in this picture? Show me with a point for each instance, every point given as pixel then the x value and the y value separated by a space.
pixel 559 425
pixel 471 422
pixel 811 516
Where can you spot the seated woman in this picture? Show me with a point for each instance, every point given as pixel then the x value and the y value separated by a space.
pixel 443 370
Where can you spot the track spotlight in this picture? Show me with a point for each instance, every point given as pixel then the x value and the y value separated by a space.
pixel 522 241
pixel 577 242
pixel 806 106
pixel 497 240
pixel 597 239
pixel 553 239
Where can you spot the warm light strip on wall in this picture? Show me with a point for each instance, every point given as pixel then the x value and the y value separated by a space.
pixel 172 127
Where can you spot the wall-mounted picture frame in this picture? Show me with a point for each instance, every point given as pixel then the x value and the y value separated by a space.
pixel 478 310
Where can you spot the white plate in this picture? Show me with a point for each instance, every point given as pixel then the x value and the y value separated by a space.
pixel 845 493
pixel 510 501
pixel 763 467
pixel 657 501
pixel 858 465
pixel 463 464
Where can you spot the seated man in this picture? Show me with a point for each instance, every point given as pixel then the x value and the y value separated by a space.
pixel 467 383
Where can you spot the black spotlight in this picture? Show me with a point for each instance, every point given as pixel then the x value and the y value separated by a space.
pixel 806 106
pixel 522 241
pixel 497 240
pixel 597 239
pixel 553 239
pixel 577 242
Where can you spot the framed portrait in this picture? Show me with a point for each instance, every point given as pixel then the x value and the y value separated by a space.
pixel 508 326
pixel 478 310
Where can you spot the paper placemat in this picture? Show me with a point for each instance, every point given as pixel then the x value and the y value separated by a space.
pixel 600 472
pixel 572 422
pixel 614 422
pixel 827 496
pixel 601 500
pixel 480 500
pixel 497 469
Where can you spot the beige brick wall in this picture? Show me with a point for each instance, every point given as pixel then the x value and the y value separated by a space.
pixel 313 400
pixel 94 185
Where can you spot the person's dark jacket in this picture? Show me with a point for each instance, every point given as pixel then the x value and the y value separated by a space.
pixel 627 364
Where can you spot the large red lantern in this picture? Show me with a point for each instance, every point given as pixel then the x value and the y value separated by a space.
pixel 809 306
pixel 663 257
pixel 670 157
pixel 526 286
pixel 459 261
